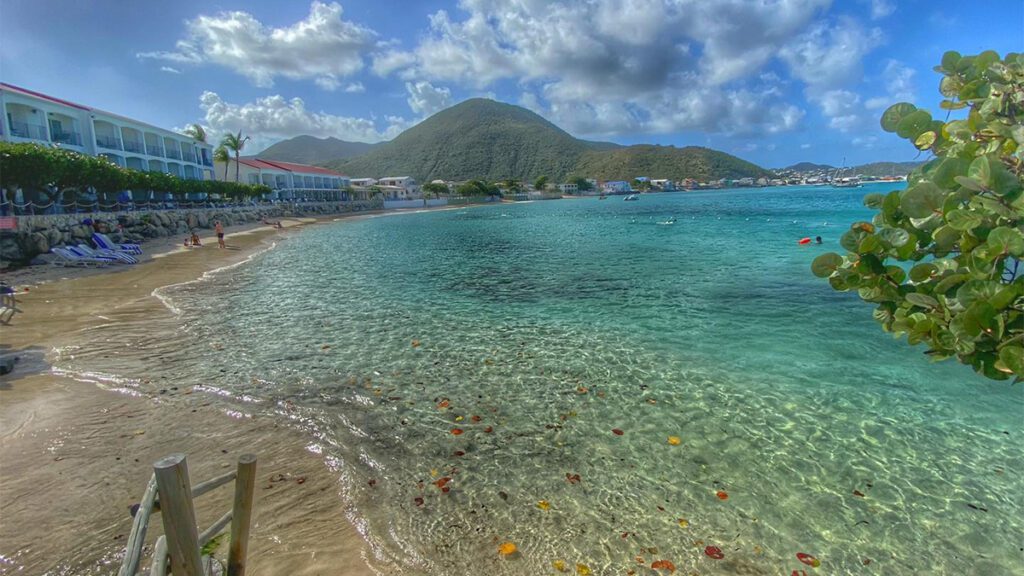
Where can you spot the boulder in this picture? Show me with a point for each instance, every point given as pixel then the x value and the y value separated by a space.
pixel 36 243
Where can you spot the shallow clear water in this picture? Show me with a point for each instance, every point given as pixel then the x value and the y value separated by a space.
pixel 538 329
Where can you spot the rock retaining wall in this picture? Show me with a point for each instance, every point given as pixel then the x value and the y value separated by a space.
pixel 35 235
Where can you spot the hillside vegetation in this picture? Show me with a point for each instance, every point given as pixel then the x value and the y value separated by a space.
pixel 312 150
pixel 484 139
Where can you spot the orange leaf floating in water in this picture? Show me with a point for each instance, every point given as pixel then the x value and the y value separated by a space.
pixel 443 404
pixel 456 431
pixel 443 484
pixel 488 429
pixel 415 343
pixel 583 570
pixel 507 549
pixel 543 504
pixel 714 552
pixel 475 418
pixel 617 432
pixel 572 478
pixel 808 559
pixel 722 495
pixel 663 565
pixel 674 441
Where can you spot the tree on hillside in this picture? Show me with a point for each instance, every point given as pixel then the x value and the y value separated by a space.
pixel 435 188
pixel 959 222
pixel 235 143
pixel 540 183
pixel 641 185
pixel 220 154
pixel 477 188
pixel 582 184
pixel 196 132
pixel 512 185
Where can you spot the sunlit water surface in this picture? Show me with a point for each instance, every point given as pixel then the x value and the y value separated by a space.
pixel 543 330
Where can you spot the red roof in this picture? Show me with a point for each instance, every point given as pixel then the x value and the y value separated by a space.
pixel 43 96
pixel 257 163
pixel 289 166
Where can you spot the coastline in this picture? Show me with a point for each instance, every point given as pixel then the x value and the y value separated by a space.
pixel 75 456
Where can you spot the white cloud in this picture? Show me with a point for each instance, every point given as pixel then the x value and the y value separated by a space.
pixel 425 100
pixel 881 8
pixel 322 47
pixel 829 57
pixel 170 70
pixel 355 88
pixel 805 146
pixel 274 118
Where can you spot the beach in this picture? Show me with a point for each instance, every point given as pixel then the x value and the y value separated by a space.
pixel 75 456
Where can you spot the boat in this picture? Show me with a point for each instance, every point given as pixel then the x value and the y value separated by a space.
pixel 631 198
pixel 603 197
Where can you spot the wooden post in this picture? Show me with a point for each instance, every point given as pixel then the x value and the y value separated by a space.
pixel 241 518
pixel 178 515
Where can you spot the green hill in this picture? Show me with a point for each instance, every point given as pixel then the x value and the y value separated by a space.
pixel 703 164
pixel 312 150
pixel 481 138
pixel 881 169
pixel 809 167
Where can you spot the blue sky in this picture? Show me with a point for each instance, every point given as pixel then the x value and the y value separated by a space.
pixel 772 81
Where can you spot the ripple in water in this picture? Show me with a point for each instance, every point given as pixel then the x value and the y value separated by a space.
pixel 467 375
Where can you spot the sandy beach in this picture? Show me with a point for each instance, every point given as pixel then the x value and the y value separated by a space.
pixel 75 456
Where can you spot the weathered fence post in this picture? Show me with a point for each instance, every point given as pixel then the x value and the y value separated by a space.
pixel 178 515
pixel 245 485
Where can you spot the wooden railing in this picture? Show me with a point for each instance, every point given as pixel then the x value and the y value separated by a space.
pixel 179 550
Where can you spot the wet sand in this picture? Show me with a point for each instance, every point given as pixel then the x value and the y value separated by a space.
pixel 74 456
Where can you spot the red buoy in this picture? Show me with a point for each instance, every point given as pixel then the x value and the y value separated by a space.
pixel 805 240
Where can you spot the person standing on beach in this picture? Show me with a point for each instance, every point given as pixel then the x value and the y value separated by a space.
pixel 219 228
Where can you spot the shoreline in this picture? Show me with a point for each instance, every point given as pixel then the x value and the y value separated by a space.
pixel 75 456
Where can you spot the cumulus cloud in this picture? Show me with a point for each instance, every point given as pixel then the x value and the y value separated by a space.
pixel 831 56
pixel 323 47
pixel 424 99
pixel 275 118
pixel 170 70
pixel 881 8
pixel 355 88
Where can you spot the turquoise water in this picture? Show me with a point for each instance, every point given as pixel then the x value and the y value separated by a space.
pixel 538 329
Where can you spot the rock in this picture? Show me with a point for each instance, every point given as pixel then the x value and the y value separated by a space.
pixel 37 244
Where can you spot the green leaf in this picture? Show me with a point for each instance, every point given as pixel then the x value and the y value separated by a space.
pixel 978 318
pixel 950 59
pixel 1002 181
pixel 913 124
pixel 981 171
pixel 976 291
pixel 896 113
pixel 922 272
pixel 922 200
pixel 1006 241
pixel 964 219
pixel 1012 358
pixel 949 282
pixel 925 140
pixel 894 236
pixel 823 266
pixel 851 239
pixel 952 104
pixel 922 300
pixel 946 238
pixel 874 200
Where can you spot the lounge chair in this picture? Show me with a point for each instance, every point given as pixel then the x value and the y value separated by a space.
pixel 69 258
pixel 86 250
pixel 104 242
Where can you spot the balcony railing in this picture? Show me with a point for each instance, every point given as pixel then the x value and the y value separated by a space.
pixel 171 153
pixel 72 138
pixel 26 130
pixel 108 142
pixel 136 146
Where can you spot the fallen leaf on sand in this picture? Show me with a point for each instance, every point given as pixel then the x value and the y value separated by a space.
pixel 714 552
pixel 572 478
pixel 474 418
pixel 722 495
pixel 663 565
pixel 507 549
pixel 674 440
pixel 617 432
pixel 418 500
pixel 543 504
pixel 683 522
pixel 808 559
pixel 583 570
pixel 456 431
pixel 442 404
pixel 415 343
pixel 559 565
pixel 488 429
pixel 858 493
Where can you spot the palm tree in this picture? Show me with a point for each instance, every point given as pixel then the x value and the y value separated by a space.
pixel 221 155
pixel 235 143
pixel 196 132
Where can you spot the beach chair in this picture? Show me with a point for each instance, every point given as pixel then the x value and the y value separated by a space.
pixel 69 258
pixel 104 242
pixel 121 257
pixel 82 253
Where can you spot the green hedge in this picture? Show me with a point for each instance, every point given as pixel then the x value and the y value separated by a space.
pixel 35 167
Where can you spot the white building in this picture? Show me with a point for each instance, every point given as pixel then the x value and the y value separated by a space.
pixel 569 188
pixel 30 116
pixel 616 186
pixel 399 187
pixel 664 184
pixel 287 179
pixel 364 182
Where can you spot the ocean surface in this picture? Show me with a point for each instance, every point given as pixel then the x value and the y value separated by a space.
pixel 605 390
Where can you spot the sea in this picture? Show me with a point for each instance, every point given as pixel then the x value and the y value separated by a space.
pixel 598 387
